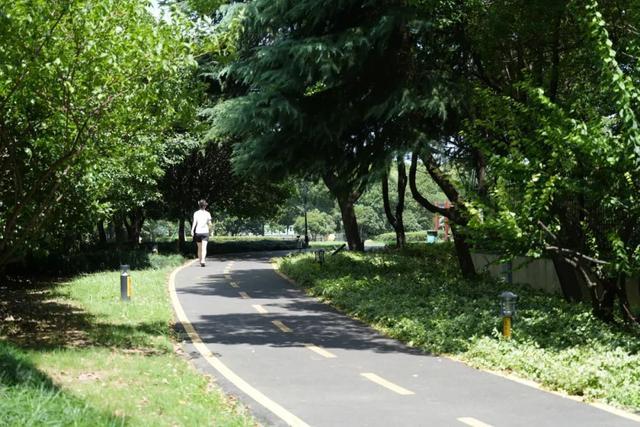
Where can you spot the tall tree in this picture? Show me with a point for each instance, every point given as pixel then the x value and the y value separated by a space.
pixel 558 125
pixel 321 83
pixel 78 92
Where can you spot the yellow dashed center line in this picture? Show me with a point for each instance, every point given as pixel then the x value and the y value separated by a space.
pixel 473 422
pixel 281 326
pixel 387 384
pixel 321 351
pixel 260 309
pixel 227 276
pixel 244 295
pixel 219 366
pixel 234 285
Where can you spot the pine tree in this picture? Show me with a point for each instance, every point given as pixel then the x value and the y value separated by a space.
pixel 323 87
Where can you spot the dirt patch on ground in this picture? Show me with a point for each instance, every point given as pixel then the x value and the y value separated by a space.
pixel 34 315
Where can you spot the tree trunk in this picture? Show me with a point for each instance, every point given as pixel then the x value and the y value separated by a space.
pixel 568 278
pixel 396 220
pixel 351 230
pixel 181 239
pixel 134 225
pixel 463 253
pixel 119 229
pixel 102 234
pixel 402 188
pixel 347 196
pixel 453 213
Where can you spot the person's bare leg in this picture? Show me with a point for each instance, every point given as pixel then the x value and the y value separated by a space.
pixel 203 251
pixel 199 249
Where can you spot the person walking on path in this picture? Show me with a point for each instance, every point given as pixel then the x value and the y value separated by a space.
pixel 200 230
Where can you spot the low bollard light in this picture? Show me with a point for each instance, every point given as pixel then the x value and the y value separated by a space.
pixel 125 283
pixel 507 311
pixel 319 255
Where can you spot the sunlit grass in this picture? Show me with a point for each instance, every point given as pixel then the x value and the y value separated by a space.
pixel 116 365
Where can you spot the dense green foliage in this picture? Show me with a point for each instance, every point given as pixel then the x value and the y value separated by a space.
pixel 419 297
pixel 558 129
pixel 319 224
pixel 320 97
pixel 84 102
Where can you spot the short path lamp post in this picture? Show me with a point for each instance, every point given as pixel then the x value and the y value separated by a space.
pixel 507 311
pixel 320 256
pixel 125 283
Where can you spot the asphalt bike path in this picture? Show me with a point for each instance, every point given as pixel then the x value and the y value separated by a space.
pixel 295 361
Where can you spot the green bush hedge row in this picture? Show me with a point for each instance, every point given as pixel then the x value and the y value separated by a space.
pixel 412 237
pixel 111 256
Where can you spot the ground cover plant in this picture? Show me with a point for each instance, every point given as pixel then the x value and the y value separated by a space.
pixel 73 354
pixel 419 297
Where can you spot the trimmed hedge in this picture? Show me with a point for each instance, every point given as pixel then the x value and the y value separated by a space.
pixel 111 256
pixel 412 237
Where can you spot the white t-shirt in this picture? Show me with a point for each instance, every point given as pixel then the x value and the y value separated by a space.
pixel 201 220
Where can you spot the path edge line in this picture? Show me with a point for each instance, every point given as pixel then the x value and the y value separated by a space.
pixel 529 383
pixel 218 365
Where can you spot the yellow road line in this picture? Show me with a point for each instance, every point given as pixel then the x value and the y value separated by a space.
pixel 234 285
pixel 260 309
pixel 387 384
pixel 255 394
pixel 227 276
pixel 281 326
pixel 473 422
pixel 244 295
pixel 321 351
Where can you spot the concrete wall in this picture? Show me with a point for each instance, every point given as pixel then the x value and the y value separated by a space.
pixel 539 274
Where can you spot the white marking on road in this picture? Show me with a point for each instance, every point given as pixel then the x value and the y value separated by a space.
pixel 234 285
pixel 387 384
pixel 473 422
pixel 599 405
pixel 255 394
pixel 260 309
pixel 227 269
pixel 244 295
pixel 281 326
pixel 321 351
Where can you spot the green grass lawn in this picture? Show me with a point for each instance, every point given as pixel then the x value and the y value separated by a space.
pixel 75 355
pixel 419 297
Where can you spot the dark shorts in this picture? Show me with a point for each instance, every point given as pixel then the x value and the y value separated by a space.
pixel 199 237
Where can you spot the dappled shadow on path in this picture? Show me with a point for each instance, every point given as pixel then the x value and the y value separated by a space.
pixel 310 320
pixel 322 329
